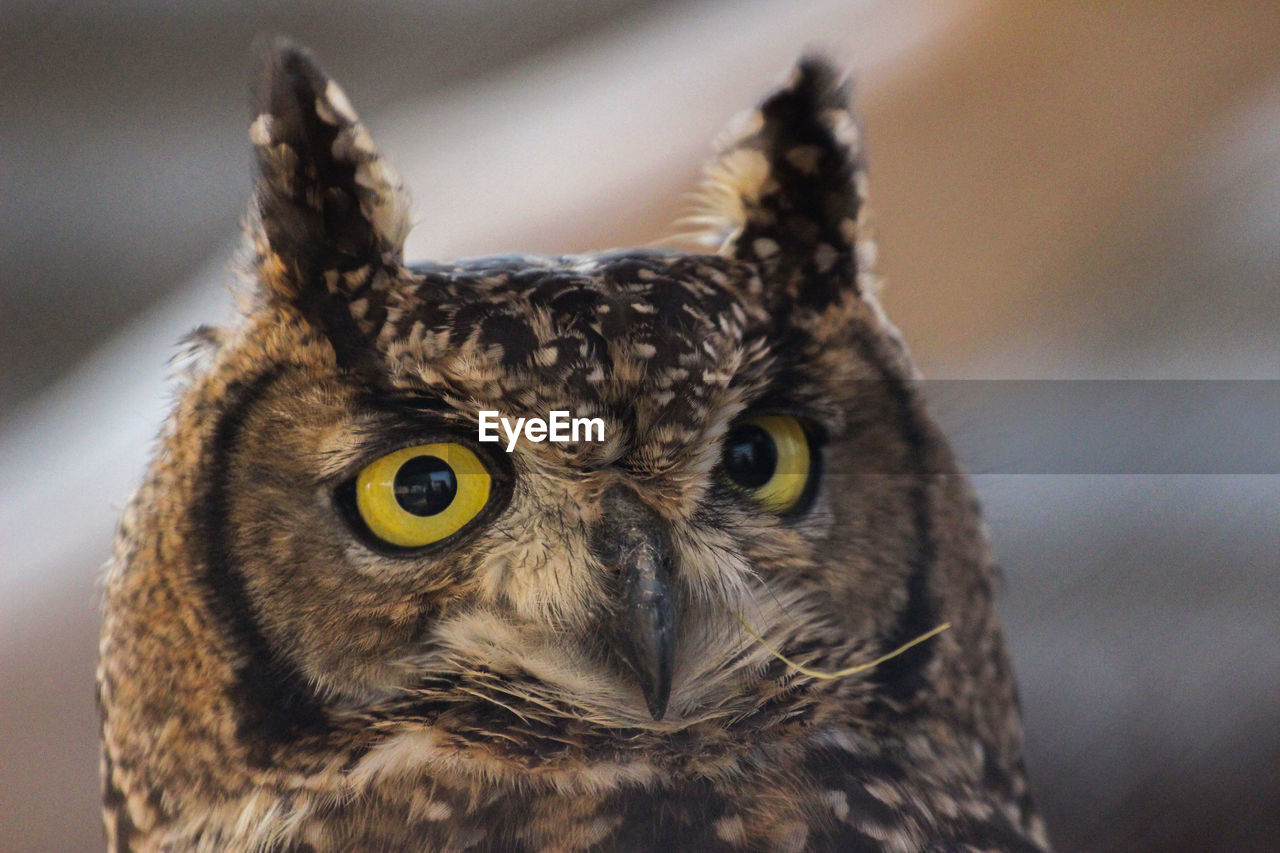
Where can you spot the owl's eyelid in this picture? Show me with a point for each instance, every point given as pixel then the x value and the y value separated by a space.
pixel 373 442
pixel 775 398
pixel 814 429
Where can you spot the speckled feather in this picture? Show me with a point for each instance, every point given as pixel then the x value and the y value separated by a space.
pixel 272 680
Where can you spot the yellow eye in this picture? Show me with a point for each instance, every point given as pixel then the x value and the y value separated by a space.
pixel 767 457
pixel 420 495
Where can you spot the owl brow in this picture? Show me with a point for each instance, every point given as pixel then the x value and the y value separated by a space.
pixel 405 418
pixel 413 401
pixel 780 397
pixel 414 423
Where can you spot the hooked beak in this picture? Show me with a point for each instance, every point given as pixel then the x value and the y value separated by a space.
pixel 646 632
pixel 633 542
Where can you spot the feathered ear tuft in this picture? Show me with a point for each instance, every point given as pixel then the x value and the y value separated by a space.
pixel 331 214
pixel 787 191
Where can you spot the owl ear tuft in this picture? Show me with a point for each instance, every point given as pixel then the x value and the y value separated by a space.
pixel 787 191
pixel 331 215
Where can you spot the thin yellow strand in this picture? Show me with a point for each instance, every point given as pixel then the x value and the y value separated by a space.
pixel 841 673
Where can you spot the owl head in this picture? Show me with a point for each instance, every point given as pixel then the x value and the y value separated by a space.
pixel 330 566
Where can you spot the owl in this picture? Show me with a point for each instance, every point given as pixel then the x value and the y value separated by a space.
pixel 747 607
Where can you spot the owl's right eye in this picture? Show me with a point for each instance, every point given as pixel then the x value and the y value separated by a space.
pixel 769 458
pixel 421 495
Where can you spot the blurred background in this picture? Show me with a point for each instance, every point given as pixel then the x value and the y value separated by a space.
pixel 1063 191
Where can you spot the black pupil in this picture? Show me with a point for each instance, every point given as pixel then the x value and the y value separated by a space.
pixel 425 485
pixel 750 456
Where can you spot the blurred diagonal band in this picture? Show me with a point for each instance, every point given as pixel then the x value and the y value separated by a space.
pixel 1101 426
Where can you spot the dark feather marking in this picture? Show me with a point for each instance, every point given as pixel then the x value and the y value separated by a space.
pixel 274 701
pixel 901 678
pixel 115 803
pixel 679 817
pixel 994 833
pixel 845 839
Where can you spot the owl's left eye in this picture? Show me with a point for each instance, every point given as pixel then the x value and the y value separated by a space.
pixel 420 495
pixel 768 457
